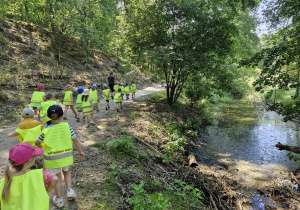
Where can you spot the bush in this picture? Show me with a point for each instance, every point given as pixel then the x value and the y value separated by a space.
pixel 124 146
pixel 177 196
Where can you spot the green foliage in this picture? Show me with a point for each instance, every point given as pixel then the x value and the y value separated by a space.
pixel 177 196
pixel 279 56
pixel 293 157
pixel 122 146
pixel 174 145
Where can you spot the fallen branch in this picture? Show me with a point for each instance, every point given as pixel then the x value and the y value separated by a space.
pixel 288 148
pixel 192 160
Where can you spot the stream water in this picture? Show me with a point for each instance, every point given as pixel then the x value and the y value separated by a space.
pixel 248 132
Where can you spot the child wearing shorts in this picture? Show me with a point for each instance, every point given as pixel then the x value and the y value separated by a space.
pixel 68 101
pixel 37 98
pixel 58 157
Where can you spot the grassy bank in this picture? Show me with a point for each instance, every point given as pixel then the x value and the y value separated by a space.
pixel 138 159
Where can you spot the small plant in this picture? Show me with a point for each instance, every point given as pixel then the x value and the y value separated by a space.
pixel 176 196
pixel 133 115
pixel 113 170
pixel 117 118
pixel 122 146
pixel 293 157
pixel 175 145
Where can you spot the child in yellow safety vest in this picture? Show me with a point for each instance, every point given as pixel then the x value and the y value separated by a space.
pixel 44 107
pixel 57 141
pixel 68 101
pixel 106 96
pixel 79 103
pixel 118 99
pixel 87 106
pixel 133 89
pixel 95 97
pixel 116 88
pixel 28 130
pixel 37 98
pixel 23 188
pixel 127 91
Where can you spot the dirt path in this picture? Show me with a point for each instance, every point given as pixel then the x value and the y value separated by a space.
pixel 79 127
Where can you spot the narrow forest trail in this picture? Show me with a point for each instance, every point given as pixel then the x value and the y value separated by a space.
pixel 79 127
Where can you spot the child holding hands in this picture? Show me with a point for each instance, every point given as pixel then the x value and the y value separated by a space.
pixel 58 156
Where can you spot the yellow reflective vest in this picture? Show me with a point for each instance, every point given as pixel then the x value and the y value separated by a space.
pixel 45 107
pixel 122 89
pixel 87 107
pixel 67 98
pixel 27 192
pixel 127 90
pixel 106 94
pixel 79 102
pixel 58 146
pixel 118 98
pixel 116 87
pixel 94 95
pixel 29 135
pixel 133 88
pixel 37 99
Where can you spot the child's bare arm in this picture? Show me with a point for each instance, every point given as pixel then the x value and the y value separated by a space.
pixel 52 184
pixel 38 144
pixel 77 144
pixel 13 134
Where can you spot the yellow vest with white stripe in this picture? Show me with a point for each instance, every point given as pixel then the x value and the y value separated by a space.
pixel 67 98
pixel 58 146
pixel 45 107
pixel 37 99
pixel 106 94
pixel 29 135
pixel 127 90
pixel 133 88
pixel 27 192
pixel 87 107
pixel 122 89
pixel 94 95
pixel 118 97
pixel 79 102
pixel 116 87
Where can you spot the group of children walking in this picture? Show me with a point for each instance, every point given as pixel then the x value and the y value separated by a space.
pixel 35 166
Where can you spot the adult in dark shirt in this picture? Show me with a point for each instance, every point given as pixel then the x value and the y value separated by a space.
pixel 111 83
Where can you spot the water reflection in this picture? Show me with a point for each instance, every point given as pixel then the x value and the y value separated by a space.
pixel 248 132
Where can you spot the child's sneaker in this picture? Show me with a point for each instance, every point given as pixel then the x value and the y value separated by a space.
pixel 71 194
pixel 58 202
pixel 92 122
pixel 98 110
pixel 77 119
pixel 121 107
pixel 106 108
pixel 117 109
pixel 109 107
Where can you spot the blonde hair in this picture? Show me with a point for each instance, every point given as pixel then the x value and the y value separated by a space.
pixel 68 87
pixel 48 96
pixel 9 170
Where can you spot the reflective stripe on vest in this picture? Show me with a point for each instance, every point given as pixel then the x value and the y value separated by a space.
pixel 58 146
pixel 37 99
pixel 60 156
pixel 106 94
pixel 118 97
pixel 27 192
pixel 29 135
pixel 67 98
pixel 43 111
pixel 86 106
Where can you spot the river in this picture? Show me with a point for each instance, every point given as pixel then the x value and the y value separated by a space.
pixel 243 136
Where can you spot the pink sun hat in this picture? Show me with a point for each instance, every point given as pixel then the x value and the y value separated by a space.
pixel 41 86
pixel 23 152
